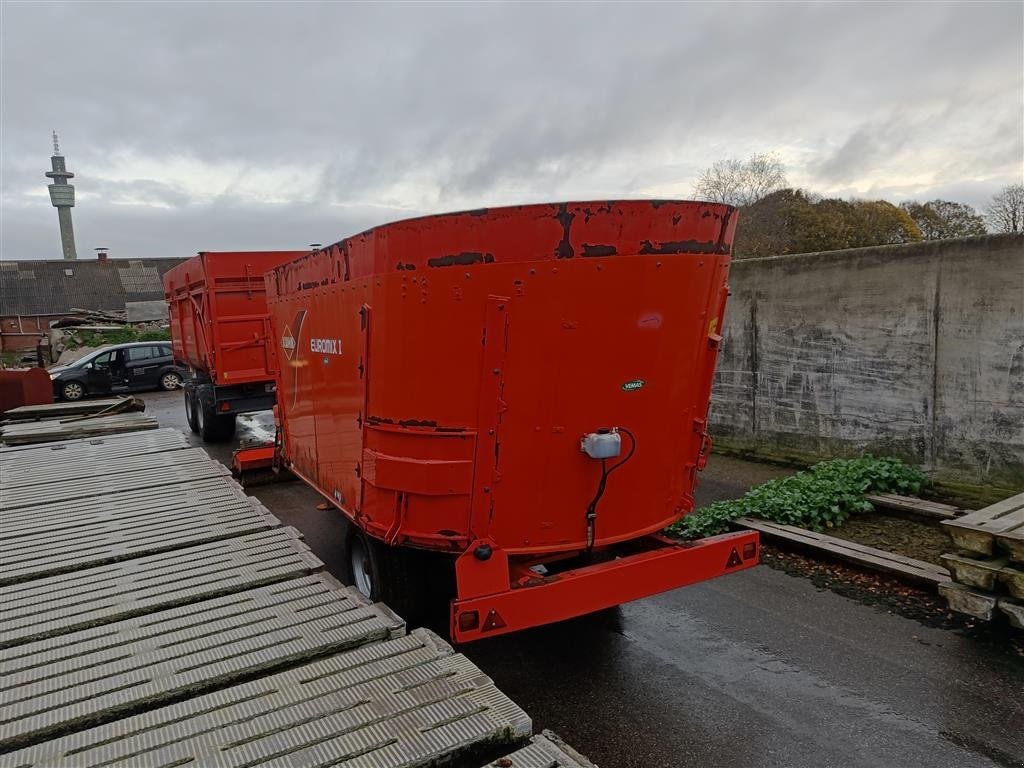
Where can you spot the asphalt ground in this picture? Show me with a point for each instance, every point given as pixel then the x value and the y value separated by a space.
pixel 759 668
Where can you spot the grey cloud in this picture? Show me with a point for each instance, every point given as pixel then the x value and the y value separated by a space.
pixel 488 103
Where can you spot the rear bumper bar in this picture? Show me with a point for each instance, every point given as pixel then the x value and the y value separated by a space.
pixel 660 564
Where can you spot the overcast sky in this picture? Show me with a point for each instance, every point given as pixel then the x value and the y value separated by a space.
pixel 221 126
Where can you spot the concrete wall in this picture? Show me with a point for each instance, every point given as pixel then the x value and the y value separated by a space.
pixel 914 350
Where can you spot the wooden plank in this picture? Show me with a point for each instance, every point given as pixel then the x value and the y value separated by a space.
pixel 971 572
pixel 103 673
pixel 1014 612
pixel 980 605
pixel 408 702
pixel 915 507
pixel 852 552
pixel 104 594
pixel 999 526
pixel 1013 578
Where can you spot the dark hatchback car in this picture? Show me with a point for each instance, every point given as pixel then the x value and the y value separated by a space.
pixel 118 368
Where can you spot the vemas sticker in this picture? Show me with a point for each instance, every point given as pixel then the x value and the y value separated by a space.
pixel 629 386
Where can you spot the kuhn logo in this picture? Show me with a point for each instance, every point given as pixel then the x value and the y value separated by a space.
pixel 289 337
pixel 325 346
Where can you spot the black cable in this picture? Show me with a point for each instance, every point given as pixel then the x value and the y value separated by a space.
pixel 605 472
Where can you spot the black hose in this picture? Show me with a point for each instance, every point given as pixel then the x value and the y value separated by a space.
pixel 605 472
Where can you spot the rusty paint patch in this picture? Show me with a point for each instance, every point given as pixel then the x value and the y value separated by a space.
pixel 463 259
pixel 417 423
pixel 564 249
pixel 679 246
pixel 599 250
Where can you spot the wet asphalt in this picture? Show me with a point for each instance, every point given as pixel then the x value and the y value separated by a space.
pixel 759 668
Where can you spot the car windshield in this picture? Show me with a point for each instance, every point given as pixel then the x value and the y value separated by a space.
pixel 91 357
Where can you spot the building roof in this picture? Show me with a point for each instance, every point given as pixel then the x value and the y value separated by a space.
pixel 56 287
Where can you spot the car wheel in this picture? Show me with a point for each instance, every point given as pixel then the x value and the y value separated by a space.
pixel 72 390
pixel 170 381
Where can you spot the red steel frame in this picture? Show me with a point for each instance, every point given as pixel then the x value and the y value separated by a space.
pixel 437 374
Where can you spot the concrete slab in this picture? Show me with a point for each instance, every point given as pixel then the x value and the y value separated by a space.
pixel 60 537
pixel 103 673
pixel 64 429
pixel 545 751
pixel 101 595
pixel 107 446
pixel 34 465
pixel 151 471
pixel 404 702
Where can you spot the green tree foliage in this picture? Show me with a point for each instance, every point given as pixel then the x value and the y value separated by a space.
pixel 943 219
pixel 792 221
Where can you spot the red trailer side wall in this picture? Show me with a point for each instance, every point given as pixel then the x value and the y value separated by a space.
pixel 218 313
pixel 437 374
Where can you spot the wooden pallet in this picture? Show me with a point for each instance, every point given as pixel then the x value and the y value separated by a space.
pixel 907 568
pixel 996 528
pixel 914 507
pixel 983 605
pixel 989 575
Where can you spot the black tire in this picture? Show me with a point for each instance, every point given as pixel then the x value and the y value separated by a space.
pixel 170 381
pixel 190 409
pixel 213 427
pixel 72 391
pixel 415 584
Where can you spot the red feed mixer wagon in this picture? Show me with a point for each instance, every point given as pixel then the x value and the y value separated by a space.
pixel 521 391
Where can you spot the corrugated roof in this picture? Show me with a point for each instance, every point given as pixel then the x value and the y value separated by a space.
pixel 55 287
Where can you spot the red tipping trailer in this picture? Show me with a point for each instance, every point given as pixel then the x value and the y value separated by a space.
pixel 523 389
pixel 220 330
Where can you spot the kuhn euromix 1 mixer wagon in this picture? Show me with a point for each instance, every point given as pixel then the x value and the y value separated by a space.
pixel 521 391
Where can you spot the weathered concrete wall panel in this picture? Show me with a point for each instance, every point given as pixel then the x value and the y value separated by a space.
pixel 913 350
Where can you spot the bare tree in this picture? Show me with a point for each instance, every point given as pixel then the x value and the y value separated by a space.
pixel 1005 211
pixel 739 182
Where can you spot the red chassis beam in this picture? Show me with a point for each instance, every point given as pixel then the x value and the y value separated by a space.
pixel 662 565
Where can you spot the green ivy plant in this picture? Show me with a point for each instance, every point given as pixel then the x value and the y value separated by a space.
pixel 821 497
pixel 87 338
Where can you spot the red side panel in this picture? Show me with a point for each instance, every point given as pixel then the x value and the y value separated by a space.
pixel 218 312
pixel 438 373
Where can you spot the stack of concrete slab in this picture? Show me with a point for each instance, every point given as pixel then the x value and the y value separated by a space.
pixel 988 568
pixel 70 427
pixel 152 614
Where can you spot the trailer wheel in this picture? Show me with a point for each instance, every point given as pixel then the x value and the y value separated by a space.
pixel 190 409
pixel 213 427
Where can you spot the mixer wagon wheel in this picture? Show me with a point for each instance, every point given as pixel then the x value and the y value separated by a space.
pixel 398 576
